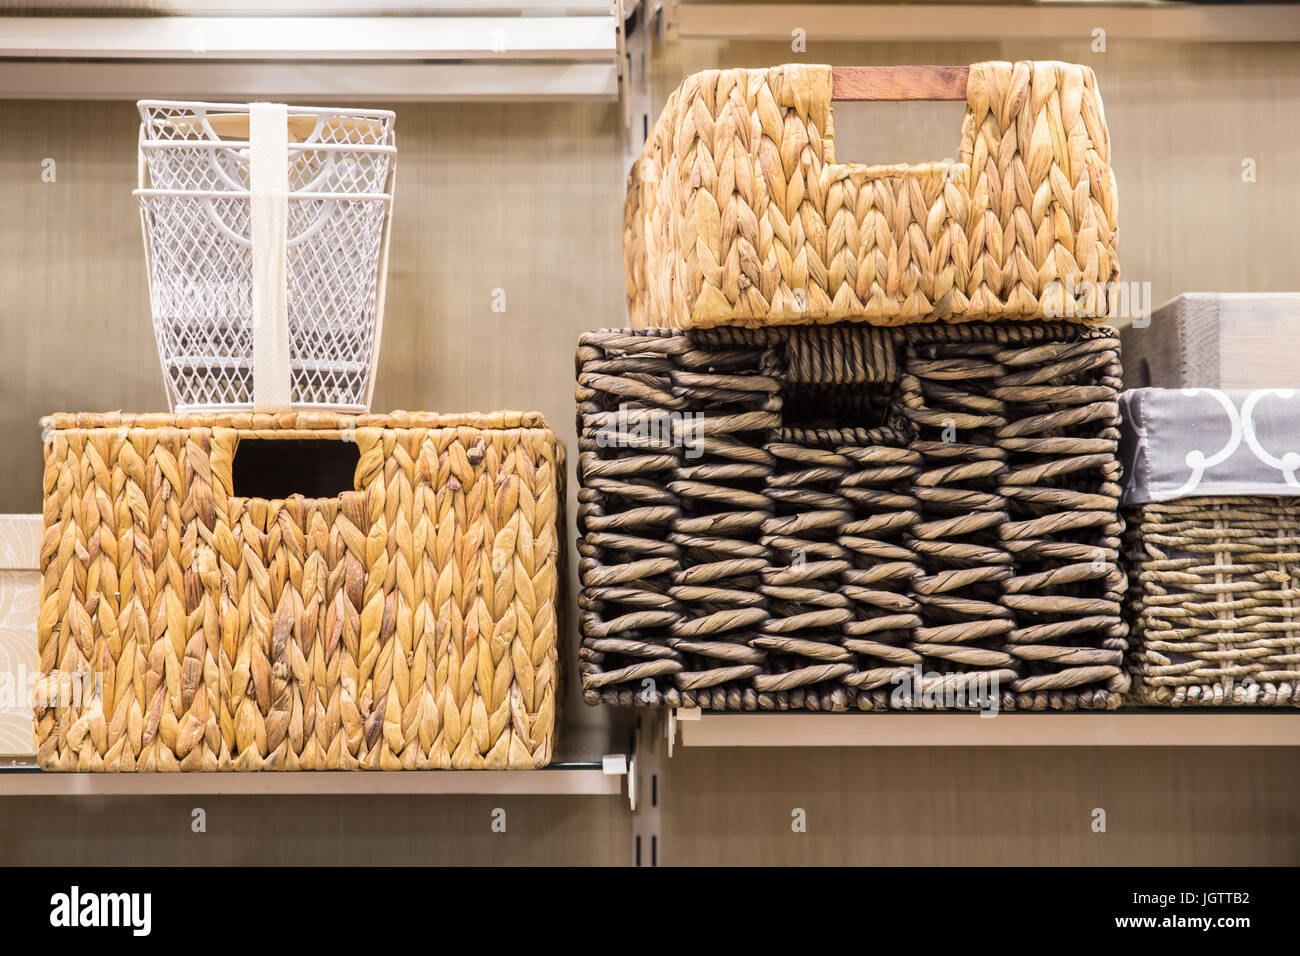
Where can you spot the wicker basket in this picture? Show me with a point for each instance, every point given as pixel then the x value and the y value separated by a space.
pixel 850 517
pixel 738 212
pixel 1215 568
pixel 408 624
pixel 1215 602
pixel 266 242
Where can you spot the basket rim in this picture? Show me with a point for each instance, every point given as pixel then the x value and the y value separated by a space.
pixel 160 144
pixel 243 108
pixel 247 194
pixel 298 420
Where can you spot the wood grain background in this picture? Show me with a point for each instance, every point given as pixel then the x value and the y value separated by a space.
pixel 995 806
pixel 528 199
pixel 314 831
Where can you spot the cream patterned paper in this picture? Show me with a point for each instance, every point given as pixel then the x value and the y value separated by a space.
pixel 20 542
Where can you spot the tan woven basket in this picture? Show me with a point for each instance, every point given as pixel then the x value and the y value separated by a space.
pixel 738 212
pixel 1216 620
pixel 408 624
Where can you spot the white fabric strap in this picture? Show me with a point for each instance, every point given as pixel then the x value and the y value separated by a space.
pixel 268 174
pixel 381 285
pixel 141 167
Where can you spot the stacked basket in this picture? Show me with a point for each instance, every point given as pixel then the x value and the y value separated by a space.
pixel 1213 502
pixel 271 578
pixel 912 504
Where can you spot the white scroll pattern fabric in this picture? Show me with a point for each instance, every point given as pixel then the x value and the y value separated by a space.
pixel 1198 442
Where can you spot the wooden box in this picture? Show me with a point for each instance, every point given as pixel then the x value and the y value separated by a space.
pixel 1216 340
pixel 20 585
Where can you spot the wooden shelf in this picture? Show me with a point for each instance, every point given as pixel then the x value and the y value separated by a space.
pixel 1134 728
pixel 308 38
pixel 881 22
pixel 558 780
pixel 545 55
pixel 588 761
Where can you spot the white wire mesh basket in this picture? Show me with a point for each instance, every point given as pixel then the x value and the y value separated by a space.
pixel 327 258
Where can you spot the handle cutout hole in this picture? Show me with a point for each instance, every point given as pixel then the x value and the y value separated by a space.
pixel 280 468
pixel 826 405
pixel 885 133
pixel 840 377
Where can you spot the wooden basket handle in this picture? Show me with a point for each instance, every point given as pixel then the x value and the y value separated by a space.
pixel 899 82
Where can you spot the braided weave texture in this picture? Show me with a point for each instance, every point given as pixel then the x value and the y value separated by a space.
pixel 1215 602
pixel 738 213
pixel 776 519
pixel 409 624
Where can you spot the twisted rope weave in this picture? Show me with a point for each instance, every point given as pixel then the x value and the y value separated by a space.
pixel 738 213
pixel 866 502
pixel 1215 602
pixel 409 624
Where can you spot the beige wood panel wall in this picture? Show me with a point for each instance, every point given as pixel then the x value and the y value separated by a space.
pixel 315 831
pixel 982 806
pixel 900 807
pixel 528 200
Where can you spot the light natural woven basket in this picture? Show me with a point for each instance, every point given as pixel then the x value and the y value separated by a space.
pixel 739 213
pixel 408 624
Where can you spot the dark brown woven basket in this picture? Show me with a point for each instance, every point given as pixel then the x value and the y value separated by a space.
pixel 813 518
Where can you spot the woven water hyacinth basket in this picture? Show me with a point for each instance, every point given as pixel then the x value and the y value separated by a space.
pixel 1213 546
pixel 851 518
pixel 408 623
pixel 739 212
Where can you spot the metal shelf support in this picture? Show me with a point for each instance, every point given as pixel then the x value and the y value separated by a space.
pixel 645 792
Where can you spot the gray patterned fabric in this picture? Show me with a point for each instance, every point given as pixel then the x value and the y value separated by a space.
pixel 1195 442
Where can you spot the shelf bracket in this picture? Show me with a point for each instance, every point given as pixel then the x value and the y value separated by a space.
pixel 675 715
pixel 639 24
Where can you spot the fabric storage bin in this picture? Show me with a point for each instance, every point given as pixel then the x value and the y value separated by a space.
pixel 266 243
pixel 20 584
pixel 822 518
pixel 406 623
pixel 1213 545
pixel 740 213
